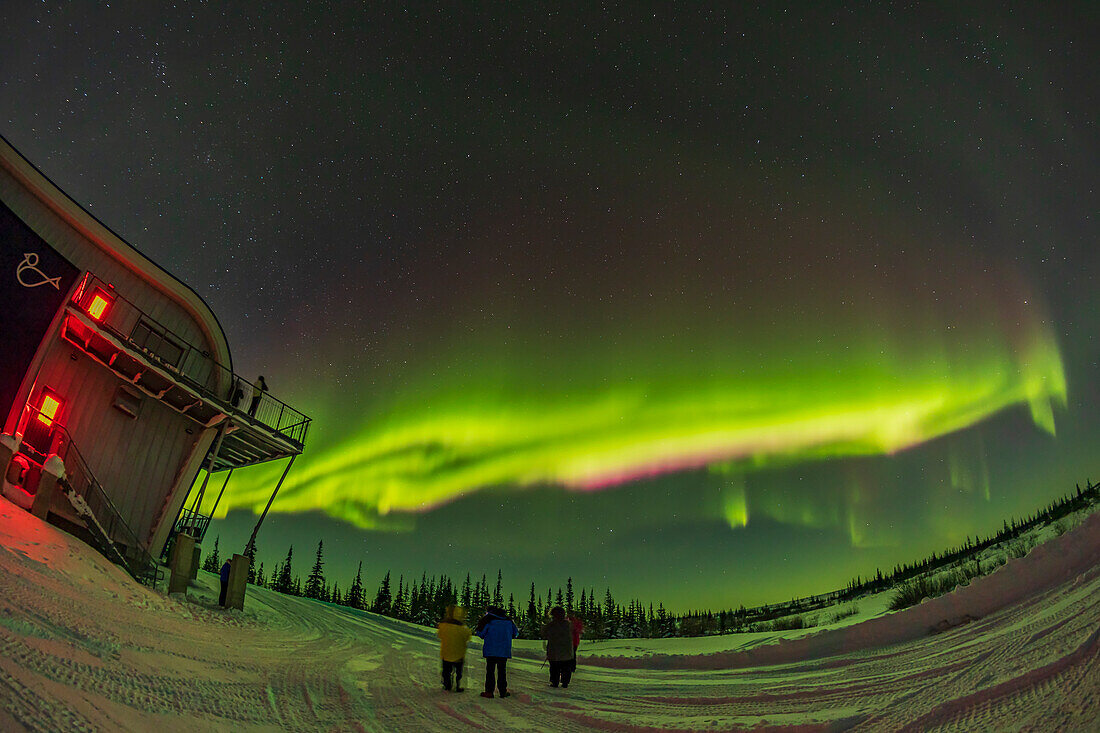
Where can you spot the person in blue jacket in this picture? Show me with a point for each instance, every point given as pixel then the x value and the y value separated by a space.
pixel 225 583
pixel 498 631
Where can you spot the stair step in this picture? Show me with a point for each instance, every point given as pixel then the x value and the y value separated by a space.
pixel 106 545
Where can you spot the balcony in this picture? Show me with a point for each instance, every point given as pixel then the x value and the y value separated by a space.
pixel 140 350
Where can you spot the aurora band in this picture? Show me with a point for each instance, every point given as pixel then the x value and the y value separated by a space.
pixel 613 418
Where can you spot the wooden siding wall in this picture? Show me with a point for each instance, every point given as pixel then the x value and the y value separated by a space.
pixel 185 479
pixel 135 459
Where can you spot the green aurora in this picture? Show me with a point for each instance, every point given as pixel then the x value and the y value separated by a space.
pixel 872 365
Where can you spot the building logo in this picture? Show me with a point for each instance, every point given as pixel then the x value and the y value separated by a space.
pixel 30 262
pixel 27 309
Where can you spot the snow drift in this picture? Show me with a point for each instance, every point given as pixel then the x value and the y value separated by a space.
pixel 1065 558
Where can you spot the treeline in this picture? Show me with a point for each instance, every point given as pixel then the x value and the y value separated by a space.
pixel 423 601
pixel 756 618
pixel 1010 530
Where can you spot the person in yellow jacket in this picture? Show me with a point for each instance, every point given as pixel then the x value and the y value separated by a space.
pixel 453 635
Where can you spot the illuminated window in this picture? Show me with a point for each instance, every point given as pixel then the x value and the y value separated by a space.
pixel 47 413
pixel 97 308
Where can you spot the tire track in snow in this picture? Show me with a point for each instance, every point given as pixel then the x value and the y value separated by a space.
pixel 86 650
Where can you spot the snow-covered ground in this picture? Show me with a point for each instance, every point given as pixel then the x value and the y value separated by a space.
pixel 82 647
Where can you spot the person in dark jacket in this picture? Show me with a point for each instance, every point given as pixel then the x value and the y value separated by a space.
pixel 238 393
pixel 225 583
pixel 258 390
pixel 578 627
pixel 498 631
pixel 559 647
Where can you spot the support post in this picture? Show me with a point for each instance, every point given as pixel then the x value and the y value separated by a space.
pixel 238 582
pixel 183 552
pixel 255 530
pixel 210 466
pixel 43 498
pixel 196 556
pixel 219 499
pixel 8 446
pixel 52 473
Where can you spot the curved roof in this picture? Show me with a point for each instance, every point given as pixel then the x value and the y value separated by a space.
pixel 106 239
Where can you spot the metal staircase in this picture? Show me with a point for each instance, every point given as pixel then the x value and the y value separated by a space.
pixel 102 539
pixel 111 535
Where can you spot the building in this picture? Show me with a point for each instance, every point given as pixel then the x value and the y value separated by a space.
pixel 121 371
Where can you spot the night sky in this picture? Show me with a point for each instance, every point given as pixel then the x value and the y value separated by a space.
pixel 708 307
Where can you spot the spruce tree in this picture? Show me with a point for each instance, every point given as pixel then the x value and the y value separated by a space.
pixel 569 596
pixel 466 597
pixel 481 591
pixel 425 612
pixel 383 600
pixel 354 597
pixel 532 613
pixel 212 563
pixel 285 581
pixel 610 616
pixel 498 592
pixel 315 583
pixel 250 553
pixel 400 601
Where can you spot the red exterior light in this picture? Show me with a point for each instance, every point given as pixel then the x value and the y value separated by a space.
pixel 97 308
pixel 43 429
pixel 47 411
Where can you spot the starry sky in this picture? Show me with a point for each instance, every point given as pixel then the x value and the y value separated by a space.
pixel 708 306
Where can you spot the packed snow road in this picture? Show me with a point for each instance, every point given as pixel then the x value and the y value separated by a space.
pixel 84 648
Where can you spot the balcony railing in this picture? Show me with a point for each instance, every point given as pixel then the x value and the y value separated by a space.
pixel 190 365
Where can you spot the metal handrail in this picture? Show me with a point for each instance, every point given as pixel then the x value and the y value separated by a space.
pixel 79 477
pixel 170 351
pixel 193 524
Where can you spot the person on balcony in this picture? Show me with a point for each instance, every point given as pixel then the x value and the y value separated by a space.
pixel 238 392
pixel 258 390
